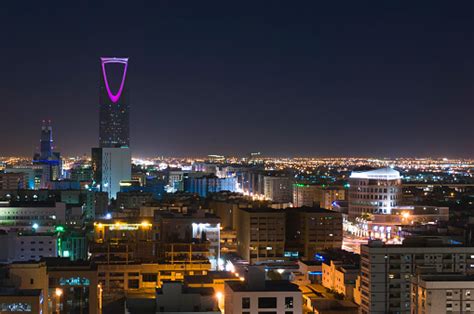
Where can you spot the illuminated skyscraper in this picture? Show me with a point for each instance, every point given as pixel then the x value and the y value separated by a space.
pixel 111 162
pixel 114 116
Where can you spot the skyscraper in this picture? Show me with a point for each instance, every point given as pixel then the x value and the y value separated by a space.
pixel 114 116
pixel 49 160
pixel 111 161
pixel 46 141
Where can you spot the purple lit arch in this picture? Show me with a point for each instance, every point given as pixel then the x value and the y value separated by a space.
pixel 124 61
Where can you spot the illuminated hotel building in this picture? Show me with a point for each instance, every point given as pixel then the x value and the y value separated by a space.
pixel 111 162
pixel 374 191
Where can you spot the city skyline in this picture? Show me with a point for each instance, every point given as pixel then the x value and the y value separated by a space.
pixel 390 80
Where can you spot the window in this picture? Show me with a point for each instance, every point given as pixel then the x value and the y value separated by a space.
pixel 32 281
pixel 245 303
pixel 267 303
pixel 149 277
pixel 133 284
pixel 288 302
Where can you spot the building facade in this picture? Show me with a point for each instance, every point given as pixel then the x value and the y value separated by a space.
pixel 260 233
pixel 374 192
pixel 387 270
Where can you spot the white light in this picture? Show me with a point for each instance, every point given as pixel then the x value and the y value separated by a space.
pixel 35 226
pixel 280 271
pixel 108 216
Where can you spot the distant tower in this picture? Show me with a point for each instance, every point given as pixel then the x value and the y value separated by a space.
pixel 46 146
pixel 114 116
pixel 50 161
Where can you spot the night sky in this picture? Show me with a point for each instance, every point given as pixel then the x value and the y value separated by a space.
pixel 290 78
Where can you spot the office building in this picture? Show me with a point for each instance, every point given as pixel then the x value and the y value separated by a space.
pixel 278 188
pixel 312 230
pixel 260 234
pixel 442 293
pixel 257 295
pixel 209 184
pixel 374 192
pixel 110 167
pixel 387 270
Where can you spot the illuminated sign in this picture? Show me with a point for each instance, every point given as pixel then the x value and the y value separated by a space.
pixel 15 307
pixel 74 281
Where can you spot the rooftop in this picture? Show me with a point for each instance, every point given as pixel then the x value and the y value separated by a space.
pixel 4 291
pixel 270 285
pixel 378 174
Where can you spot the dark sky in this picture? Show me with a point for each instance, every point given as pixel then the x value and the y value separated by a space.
pixel 320 78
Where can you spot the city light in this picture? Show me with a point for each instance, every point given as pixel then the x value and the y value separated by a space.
pixel 59 292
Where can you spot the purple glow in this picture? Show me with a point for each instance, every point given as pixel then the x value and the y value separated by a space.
pixel 124 61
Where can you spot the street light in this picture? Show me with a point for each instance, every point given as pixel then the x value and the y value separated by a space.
pixel 59 293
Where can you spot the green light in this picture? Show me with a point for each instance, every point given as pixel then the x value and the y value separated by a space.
pixel 59 229
pixel 301 185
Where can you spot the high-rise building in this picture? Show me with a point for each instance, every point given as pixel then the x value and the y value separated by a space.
pixel 312 230
pixel 50 161
pixel 114 118
pixel 110 166
pixel 387 270
pixel 260 234
pixel 111 162
pixel 374 191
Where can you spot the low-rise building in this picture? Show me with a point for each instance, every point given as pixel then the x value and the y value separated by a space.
pixel 340 278
pixel 175 297
pixel 27 246
pixel 257 295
